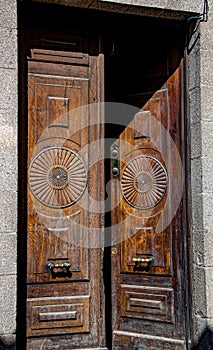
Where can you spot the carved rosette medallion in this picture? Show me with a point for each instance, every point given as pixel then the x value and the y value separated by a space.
pixel 144 182
pixel 57 177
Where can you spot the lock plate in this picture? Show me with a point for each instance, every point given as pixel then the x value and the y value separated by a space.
pixel 115 160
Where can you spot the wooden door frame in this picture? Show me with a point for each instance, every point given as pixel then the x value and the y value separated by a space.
pixel 23 176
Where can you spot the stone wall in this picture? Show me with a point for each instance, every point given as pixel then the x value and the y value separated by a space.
pixel 8 170
pixel 201 121
pixel 179 9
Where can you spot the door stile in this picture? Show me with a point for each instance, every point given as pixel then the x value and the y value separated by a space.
pixel 97 187
pixel 187 218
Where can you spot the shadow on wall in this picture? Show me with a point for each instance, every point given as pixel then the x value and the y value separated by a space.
pixel 206 341
pixel 6 344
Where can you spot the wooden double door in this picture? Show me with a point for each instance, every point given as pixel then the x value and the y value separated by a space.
pixel 106 232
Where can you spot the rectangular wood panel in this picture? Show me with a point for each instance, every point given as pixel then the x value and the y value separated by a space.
pixel 150 303
pixel 145 243
pixel 51 102
pixel 148 131
pixel 62 56
pixel 58 315
pixel 61 104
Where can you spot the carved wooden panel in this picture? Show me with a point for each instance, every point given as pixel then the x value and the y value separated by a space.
pixel 148 303
pixel 57 173
pixel 57 177
pixel 61 105
pixel 51 101
pixel 144 187
pixel 145 242
pixel 59 244
pixel 62 56
pixel 143 182
pixel 58 315
pixel 57 308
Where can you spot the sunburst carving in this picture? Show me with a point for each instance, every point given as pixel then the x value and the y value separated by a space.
pixel 144 182
pixel 57 177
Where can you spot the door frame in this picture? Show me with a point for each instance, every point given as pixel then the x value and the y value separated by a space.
pixel 23 176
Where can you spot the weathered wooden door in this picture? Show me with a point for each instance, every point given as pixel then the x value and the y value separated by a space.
pixel 64 305
pixel 65 274
pixel 148 285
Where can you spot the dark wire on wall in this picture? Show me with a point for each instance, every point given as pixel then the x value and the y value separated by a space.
pixel 203 17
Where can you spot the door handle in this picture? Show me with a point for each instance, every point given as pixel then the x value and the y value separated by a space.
pixel 141 261
pixel 65 266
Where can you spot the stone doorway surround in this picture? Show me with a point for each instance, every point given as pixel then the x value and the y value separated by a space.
pixel 200 121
